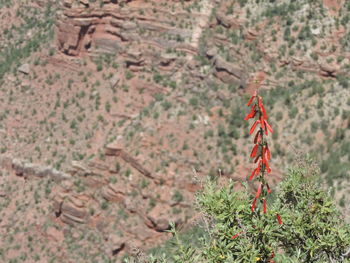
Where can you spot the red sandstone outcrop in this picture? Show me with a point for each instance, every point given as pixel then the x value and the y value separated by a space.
pixel 116 149
pixel 114 192
pixel 228 72
pixel 251 34
pixel 113 28
pixel 71 208
pixel 328 70
pixel 227 21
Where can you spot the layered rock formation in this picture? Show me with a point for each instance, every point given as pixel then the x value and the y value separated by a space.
pixel 114 27
pixel 26 169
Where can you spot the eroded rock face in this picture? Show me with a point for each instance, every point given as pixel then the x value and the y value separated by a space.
pixel 227 21
pixel 229 72
pixel 71 208
pixel 79 31
pixel 91 29
pixel 160 218
pixel 328 70
pixel 114 192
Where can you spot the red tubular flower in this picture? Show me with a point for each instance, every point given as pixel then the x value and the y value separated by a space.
pixel 268 127
pixel 262 123
pixel 256 159
pixel 251 114
pixel 257 138
pixel 251 99
pixel 262 109
pixel 267 167
pixel 279 220
pixel 254 151
pixel 254 204
pixel 233 237
pixel 264 205
pixel 263 156
pixel 258 192
pixel 268 189
pixel 268 154
pixel 254 126
pixel 253 174
pixel 271 258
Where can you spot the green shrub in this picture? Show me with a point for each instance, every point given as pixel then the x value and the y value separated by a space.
pixel 312 229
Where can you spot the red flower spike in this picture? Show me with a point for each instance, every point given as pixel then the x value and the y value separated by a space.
pixel 251 99
pixel 251 114
pixel 268 154
pixel 279 220
pixel 254 204
pixel 258 192
pixel 268 126
pixel 254 126
pixel 254 151
pixel 257 138
pixel 262 156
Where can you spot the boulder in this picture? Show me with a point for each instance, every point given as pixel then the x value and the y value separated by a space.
pixel 55 234
pixel 71 210
pixel 251 34
pixel 328 70
pixel 80 168
pixel 226 21
pixel 25 69
pixel 114 148
pixel 229 72
pixel 296 61
pixel 159 216
pixel 166 59
pixel 212 53
pixel 68 3
pixel 17 166
pixel 113 82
